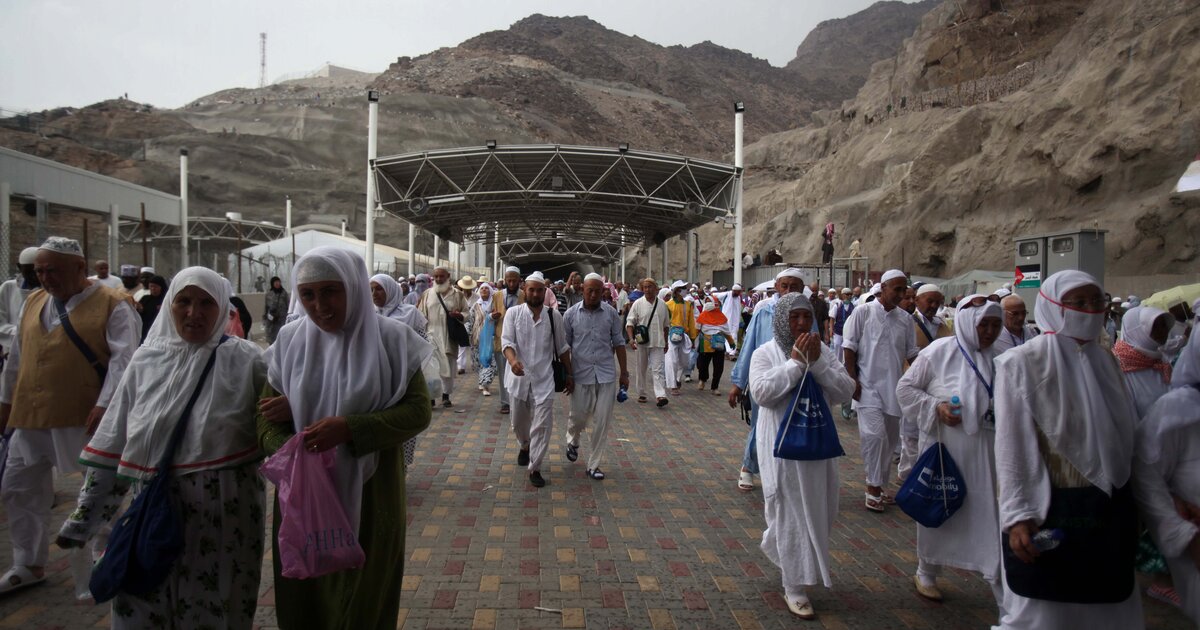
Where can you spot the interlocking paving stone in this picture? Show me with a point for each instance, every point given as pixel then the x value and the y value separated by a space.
pixel 666 541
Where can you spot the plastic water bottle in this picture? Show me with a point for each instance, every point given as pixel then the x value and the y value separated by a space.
pixel 1048 539
pixel 622 394
pixel 81 571
pixel 955 406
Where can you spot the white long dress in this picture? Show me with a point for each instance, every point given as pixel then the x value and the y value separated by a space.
pixel 1168 463
pixel 970 539
pixel 800 498
pixel 1145 387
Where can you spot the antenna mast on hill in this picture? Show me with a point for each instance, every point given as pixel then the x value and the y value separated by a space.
pixel 262 60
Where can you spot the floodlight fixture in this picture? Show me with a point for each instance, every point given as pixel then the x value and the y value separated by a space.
pixel 667 204
pixel 556 195
pixel 623 147
pixel 372 96
pixel 739 107
pixel 418 206
pixel 441 200
pixel 491 145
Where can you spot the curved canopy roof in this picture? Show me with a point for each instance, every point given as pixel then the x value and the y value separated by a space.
pixel 542 201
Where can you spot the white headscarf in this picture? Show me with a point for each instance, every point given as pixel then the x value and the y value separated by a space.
pixel 485 304
pixel 1175 410
pixel 973 395
pixel 1077 392
pixel 393 297
pixel 1135 330
pixel 160 379
pixel 1187 368
pixel 364 367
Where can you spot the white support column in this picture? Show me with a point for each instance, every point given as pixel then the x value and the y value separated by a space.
pixel 372 136
pixel 183 214
pixel 287 229
pixel 690 274
pixel 665 255
pixel 650 262
pixel 738 110
pixel 412 256
pixel 437 243
pixel 114 237
pixel 623 257
pixel 498 271
pixel 6 229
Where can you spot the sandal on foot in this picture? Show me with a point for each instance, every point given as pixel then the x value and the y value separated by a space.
pixel 596 473
pixel 18 578
pixel 642 399
pixel 874 503
pixel 487 393
pixel 662 402
pixel 802 608
pixel 888 499
pixel 930 591
pixel 572 452
pixel 745 481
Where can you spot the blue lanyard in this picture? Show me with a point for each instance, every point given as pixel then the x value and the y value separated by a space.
pixel 1016 342
pixel 986 385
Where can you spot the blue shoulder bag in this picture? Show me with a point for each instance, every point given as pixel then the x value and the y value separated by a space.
pixel 808 432
pixel 148 538
pixel 935 489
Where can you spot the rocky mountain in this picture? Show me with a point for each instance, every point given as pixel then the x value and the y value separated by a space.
pixel 836 57
pixel 998 119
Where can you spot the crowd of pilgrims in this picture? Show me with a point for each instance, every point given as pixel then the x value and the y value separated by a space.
pixel 1085 425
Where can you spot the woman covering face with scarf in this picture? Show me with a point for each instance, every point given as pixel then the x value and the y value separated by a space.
pixel 800 498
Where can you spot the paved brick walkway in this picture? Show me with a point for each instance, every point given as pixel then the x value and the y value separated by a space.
pixel 667 541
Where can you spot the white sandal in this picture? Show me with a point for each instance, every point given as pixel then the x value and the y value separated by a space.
pixel 745 481
pixel 23 576
pixel 874 503
pixel 802 608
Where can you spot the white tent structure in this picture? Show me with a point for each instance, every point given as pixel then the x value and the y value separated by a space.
pixel 975 281
pixel 275 258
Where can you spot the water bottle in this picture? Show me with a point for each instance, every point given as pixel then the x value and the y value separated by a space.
pixel 81 571
pixel 622 394
pixel 955 406
pixel 1048 539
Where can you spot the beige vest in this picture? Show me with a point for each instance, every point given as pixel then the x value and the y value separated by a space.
pixel 56 386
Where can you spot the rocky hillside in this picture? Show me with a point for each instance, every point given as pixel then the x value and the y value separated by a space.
pixel 836 57
pixel 995 120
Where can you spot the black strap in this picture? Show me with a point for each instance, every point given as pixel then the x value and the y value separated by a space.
pixel 178 431
pixel 92 359
pixel 553 337
pixel 652 311
pixel 922 327
pixel 439 297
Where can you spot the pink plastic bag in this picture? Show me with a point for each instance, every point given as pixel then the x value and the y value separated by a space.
pixel 315 537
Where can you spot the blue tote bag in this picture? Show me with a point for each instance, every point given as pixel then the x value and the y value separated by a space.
pixel 935 489
pixel 808 432
pixel 488 332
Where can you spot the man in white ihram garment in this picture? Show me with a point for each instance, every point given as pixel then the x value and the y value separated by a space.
pixel 1167 474
pixel 12 298
pixel 959 365
pixel 438 304
pixel 104 277
pixel 1064 453
pixel 878 339
pixel 800 498
pixel 533 335
pixel 1016 331
pixel 53 397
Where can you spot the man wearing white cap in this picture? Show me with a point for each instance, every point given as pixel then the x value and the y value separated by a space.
pixel 759 332
pixel 651 313
pixel 503 300
pixel 878 339
pixel 837 321
pixel 732 303
pixel 928 327
pixel 144 276
pixel 130 285
pixel 73 343
pixel 594 334
pixel 12 298
pixel 103 276
pixel 533 337
pixel 439 304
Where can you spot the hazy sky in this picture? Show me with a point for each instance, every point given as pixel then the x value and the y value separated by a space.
pixel 168 52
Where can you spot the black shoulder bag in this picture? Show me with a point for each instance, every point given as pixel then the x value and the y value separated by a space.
pixel 556 366
pixel 641 332
pixel 148 538
pixel 455 329
pixel 92 359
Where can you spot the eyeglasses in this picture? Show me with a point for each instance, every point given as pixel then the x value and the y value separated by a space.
pixel 1097 304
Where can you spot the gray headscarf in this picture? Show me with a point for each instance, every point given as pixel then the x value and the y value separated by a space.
pixel 781 320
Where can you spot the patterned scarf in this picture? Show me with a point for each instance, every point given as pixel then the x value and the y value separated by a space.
pixel 1131 361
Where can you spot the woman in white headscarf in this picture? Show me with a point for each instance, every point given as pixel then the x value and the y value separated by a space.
pixel 1167 474
pixel 481 313
pixel 1064 450
pixel 214 583
pixel 389 302
pixel 960 366
pixel 1144 330
pixel 347 379
pixel 800 498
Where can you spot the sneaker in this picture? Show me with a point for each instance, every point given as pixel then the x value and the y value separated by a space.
pixel 535 478
pixel 687 379
pixel 572 452
pixel 523 457
pixel 505 409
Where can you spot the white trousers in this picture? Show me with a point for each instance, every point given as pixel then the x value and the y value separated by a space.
pixel 879 434
pixel 532 423
pixel 592 403
pixel 909 441
pixel 651 360
pixel 675 362
pixel 28 489
pixel 448 381
pixel 836 346
pixel 464 355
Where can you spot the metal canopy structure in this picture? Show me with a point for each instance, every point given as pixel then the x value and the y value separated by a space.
pixel 202 229
pixel 542 201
